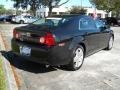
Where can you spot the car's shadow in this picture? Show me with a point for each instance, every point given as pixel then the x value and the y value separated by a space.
pixel 25 65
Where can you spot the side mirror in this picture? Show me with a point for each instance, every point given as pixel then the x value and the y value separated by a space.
pixel 104 27
pixel 107 26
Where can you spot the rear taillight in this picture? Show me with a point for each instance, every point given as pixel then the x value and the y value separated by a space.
pixel 16 34
pixel 47 40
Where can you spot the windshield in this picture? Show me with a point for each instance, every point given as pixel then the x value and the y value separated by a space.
pixel 54 22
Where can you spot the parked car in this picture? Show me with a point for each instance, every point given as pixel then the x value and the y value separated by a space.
pixel 112 21
pixel 63 41
pixel 24 19
pixel 118 20
pixel 3 18
pixel 7 18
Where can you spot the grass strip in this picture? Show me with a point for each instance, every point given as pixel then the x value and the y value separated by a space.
pixel 2 77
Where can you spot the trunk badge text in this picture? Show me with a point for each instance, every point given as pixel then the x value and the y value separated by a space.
pixel 24 35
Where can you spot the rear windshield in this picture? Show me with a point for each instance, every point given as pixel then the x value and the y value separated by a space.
pixel 51 21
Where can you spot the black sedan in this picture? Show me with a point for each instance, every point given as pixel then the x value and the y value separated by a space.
pixel 62 41
pixel 113 21
pixel 7 18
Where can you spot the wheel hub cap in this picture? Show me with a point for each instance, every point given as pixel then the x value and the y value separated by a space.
pixel 78 59
pixel 111 43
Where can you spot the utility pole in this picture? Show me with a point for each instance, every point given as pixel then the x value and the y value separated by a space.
pixel 81 4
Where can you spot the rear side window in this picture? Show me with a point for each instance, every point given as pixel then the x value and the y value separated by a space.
pixel 54 21
pixel 27 16
pixel 86 24
pixel 33 17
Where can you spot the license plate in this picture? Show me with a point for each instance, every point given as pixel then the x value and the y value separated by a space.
pixel 25 51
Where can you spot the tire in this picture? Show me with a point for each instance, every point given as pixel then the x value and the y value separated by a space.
pixel 4 20
pixel 21 22
pixel 112 24
pixel 77 59
pixel 110 43
pixel 10 55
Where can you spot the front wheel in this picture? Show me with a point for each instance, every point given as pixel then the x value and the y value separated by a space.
pixel 77 58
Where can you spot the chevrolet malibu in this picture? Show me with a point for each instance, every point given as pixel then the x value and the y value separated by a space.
pixel 62 41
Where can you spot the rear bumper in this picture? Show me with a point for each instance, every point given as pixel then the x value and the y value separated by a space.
pixel 53 56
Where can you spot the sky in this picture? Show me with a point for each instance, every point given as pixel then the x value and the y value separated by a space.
pixel 9 4
pixel 77 3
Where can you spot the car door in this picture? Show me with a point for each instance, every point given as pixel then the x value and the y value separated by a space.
pixel 27 19
pixel 104 33
pixel 32 19
pixel 92 34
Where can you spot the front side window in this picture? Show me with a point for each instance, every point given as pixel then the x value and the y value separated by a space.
pixel 99 23
pixel 84 24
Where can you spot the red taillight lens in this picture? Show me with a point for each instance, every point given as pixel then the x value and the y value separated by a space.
pixel 48 40
pixel 16 34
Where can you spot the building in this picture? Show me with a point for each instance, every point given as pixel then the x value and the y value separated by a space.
pixel 43 12
pixel 99 13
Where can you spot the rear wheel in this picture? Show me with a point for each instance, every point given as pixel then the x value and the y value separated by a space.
pixel 4 20
pixel 21 22
pixel 110 44
pixel 77 58
pixel 112 24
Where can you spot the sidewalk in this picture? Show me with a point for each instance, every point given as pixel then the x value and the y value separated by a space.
pixel 11 83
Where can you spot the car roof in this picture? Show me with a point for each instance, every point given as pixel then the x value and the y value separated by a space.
pixel 67 15
pixel 73 16
pixel 57 18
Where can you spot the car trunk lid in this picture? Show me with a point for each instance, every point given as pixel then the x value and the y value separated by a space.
pixel 31 33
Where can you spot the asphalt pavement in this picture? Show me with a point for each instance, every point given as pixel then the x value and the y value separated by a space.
pixel 100 71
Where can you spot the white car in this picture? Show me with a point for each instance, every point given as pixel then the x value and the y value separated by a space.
pixel 24 19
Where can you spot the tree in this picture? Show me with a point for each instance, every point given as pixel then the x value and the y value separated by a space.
pixel 34 4
pixel 106 5
pixel 77 10
pixel 52 4
pixel 2 9
pixel 10 12
pixel 117 8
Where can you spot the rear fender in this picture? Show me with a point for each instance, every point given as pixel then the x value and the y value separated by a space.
pixel 76 41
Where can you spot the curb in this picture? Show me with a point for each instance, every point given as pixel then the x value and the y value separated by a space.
pixel 11 83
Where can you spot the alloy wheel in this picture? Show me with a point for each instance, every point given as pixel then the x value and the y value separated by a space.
pixel 111 43
pixel 78 58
